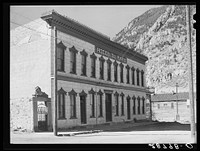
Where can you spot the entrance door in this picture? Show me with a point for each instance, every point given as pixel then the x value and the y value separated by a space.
pixel 42 116
pixel 108 107
pixel 83 109
pixel 128 109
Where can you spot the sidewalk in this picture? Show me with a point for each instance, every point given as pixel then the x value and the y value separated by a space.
pixel 103 127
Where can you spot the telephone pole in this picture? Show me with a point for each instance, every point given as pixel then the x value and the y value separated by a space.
pixel 177 115
pixel 190 76
pixel 54 77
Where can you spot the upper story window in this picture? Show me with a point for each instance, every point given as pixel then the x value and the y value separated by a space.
pixel 60 56
pixel 115 71
pixel 83 62
pixel 73 53
pixel 93 65
pixel 101 67
pixel 61 103
pixel 172 105
pixel 138 77
pixel 109 62
pixel 127 75
pixel 133 75
pixel 121 73
pixel 142 78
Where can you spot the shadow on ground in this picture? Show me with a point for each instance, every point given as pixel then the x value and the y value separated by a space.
pixel 160 126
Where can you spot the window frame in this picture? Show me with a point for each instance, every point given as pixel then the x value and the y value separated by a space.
pixel 72 95
pixel 73 52
pixel 93 65
pixel 83 62
pixel 61 57
pixel 121 73
pixel 116 104
pixel 101 68
pixel 61 113
pixel 115 71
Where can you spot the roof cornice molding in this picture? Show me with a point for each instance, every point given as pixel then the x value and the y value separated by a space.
pixel 53 18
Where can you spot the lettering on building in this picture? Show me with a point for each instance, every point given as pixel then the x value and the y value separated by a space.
pixel 110 55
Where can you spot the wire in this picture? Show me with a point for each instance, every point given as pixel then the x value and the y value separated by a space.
pixel 26 17
pixel 39 32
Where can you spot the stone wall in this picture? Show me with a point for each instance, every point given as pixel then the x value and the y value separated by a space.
pixel 21 114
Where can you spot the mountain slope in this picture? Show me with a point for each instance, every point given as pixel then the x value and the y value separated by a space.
pixel 160 34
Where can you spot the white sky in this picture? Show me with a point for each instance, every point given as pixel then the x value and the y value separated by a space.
pixel 107 19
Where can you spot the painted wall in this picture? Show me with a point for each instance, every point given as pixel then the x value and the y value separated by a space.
pixel 70 41
pixel 166 113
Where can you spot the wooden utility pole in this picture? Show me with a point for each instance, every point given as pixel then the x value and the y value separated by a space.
pixel 177 115
pixel 190 76
pixel 54 77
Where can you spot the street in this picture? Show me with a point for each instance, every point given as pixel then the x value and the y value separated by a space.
pixel 154 133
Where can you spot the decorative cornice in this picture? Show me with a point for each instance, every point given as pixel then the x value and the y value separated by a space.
pixel 82 93
pixel 133 97
pixel 84 53
pixel 102 58
pixel 61 45
pixel 116 94
pixel 88 34
pixel 61 91
pixel 132 68
pixel 115 63
pixel 93 56
pixel 109 61
pixel 128 97
pixel 122 94
pixel 72 92
pixel 73 49
pixel 100 92
pixel 91 91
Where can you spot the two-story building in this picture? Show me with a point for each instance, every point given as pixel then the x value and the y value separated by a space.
pixel 98 80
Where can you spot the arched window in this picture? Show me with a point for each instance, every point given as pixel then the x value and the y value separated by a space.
pixel 116 103
pixel 138 98
pixel 109 63
pixel 101 67
pixel 134 106
pixel 92 102
pixel 61 103
pixel 122 103
pixel 61 56
pixel 93 65
pixel 73 53
pixel 72 95
pixel 83 62
pixel 115 71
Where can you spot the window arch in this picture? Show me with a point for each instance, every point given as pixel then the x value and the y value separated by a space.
pixel 61 103
pixel 72 95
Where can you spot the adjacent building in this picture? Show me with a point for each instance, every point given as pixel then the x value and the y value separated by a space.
pixel 98 80
pixel 166 106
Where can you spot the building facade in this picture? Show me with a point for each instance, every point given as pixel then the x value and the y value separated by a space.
pixel 98 80
pixel 165 107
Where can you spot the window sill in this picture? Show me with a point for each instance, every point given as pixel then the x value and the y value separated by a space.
pixel 116 115
pixel 62 118
pixel 72 73
pixel 61 71
pixel 73 117
pixel 92 116
pixel 84 75
pixel 92 77
pixel 100 116
pixel 122 115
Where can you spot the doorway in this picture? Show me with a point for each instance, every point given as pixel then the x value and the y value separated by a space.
pixel 42 116
pixel 108 107
pixel 128 109
pixel 83 109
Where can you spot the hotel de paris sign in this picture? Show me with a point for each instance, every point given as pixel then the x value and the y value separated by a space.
pixel 110 55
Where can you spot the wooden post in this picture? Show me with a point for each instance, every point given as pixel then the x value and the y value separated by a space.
pixel 190 75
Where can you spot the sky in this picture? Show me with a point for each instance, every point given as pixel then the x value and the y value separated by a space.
pixel 106 19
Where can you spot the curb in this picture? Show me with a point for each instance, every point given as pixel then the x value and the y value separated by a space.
pixel 78 133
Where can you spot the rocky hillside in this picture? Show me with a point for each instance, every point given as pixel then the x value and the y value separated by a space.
pixel 160 34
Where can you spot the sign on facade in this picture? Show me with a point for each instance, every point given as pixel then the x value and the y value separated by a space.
pixel 110 55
